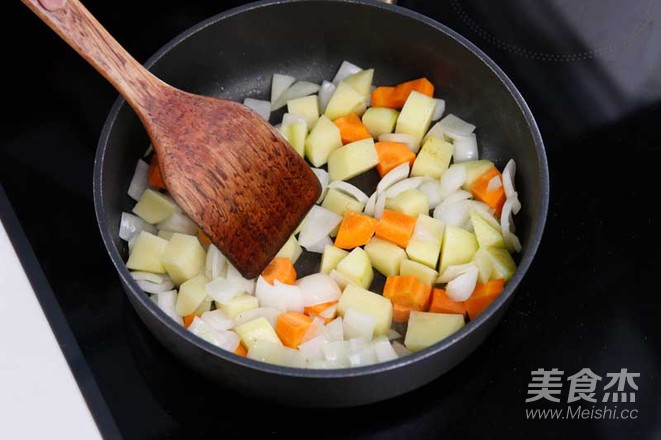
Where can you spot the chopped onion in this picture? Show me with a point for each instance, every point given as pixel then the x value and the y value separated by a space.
pixel 349 189
pixel 131 243
pixel 329 312
pixel 299 89
pixel 455 197
pixel 139 181
pixel 166 301
pixel 483 210
pixel 334 330
pixel 290 118
pixel 357 343
pixel 438 110
pixel 178 222
pixel 312 349
pixel 509 172
pixel 325 93
pixel 400 349
pixel 226 340
pixel 216 263
pixel 280 296
pixel 346 69
pixel 265 351
pixel 452 272
pixel 318 288
pixel 494 183
pixel 318 247
pixel 365 356
pixel 383 350
pixel 432 190
pixel 270 313
pixel 405 185
pixel 223 290
pixel 380 206
pixel 234 275
pixel 436 131
pixel 461 288
pixel 217 320
pixel 410 141
pixel 322 175
pixel 400 172
pixel 370 205
pixel 279 84
pixel 516 203
pixel 393 334
pixel 229 341
pixel 259 106
pixel 455 214
pixel 358 324
pixel 515 243
pixel 320 223
pixel 148 276
pixel 453 125
pixel 316 328
pixel 512 242
pixel 150 287
pixel 131 225
pixel 335 351
pixel 453 178
pixel 465 148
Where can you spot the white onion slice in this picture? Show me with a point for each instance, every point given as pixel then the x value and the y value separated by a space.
pixel 216 263
pixel 465 148
pixel 483 210
pixel 383 350
pixel 334 330
pixel 494 183
pixel 453 271
pixel 509 172
pixel 350 189
pixel 455 197
pixel 405 185
pixel 166 301
pixel 365 356
pixel 432 190
pixel 316 328
pixel 400 172
pixel 131 243
pixel 290 118
pixel 279 84
pixel 223 290
pixel 516 203
pixel 270 313
pixel 370 205
pixel 312 349
pixel 358 324
pixel 512 242
pixel 346 69
pixel 455 214
pixel 436 131
pixel 320 223
pixel 335 351
pixel 178 222
pixel 329 312
pixel 150 287
pixel 139 181
pixel 131 225
pixel 148 276
pixel 461 288
pixel 452 179
pixel 322 175
pixel 280 296
pixel 259 106
pixel 515 243
pixel 318 288
pixel 299 89
pixel 235 276
pixel 438 110
pixel 380 206
pixel 411 142
pixel 217 320
pixel 318 247
pixel 453 125
pixel 325 93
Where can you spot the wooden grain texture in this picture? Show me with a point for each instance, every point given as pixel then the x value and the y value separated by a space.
pixel 227 168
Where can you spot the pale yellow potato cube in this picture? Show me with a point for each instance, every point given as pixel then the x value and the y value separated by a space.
pixel 183 258
pixel 291 250
pixel 338 202
pixel 433 159
pixel 426 329
pixel 357 267
pixel 352 159
pixel 259 329
pixel 306 107
pixel 154 207
pixel 380 120
pixel 412 202
pixel 420 271
pixel 487 235
pixel 415 117
pixel 345 100
pixel 458 247
pixel 191 295
pixel 385 256
pixel 322 141
pixel 240 303
pixel 361 81
pixel 362 300
pixel 331 257
pixel 147 252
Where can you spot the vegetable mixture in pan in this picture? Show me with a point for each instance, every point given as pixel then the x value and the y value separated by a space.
pixel 438 226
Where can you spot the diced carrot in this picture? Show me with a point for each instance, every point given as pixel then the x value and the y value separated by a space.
pixel 400 313
pixel 407 291
pixel 351 128
pixel 392 154
pixel 494 198
pixel 316 311
pixel 280 269
pixel 355 230
pixel 155 178
pixel 241 351
pixel 204 238
pixel 395 227
pixel 403 90
pixel 188 319
pixel 483 295
pixel 291 328
pixel 441 303
pixel 383 97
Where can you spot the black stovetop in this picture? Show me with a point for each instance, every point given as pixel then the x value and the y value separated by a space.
pixel 590 73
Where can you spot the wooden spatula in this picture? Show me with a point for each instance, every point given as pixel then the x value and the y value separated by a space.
pixel 227 168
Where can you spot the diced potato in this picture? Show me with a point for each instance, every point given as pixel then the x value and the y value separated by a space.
pixel 154 207
pixel 322 141
pixel 291 250
pixel 380 120
pixel 183 258
pixel 205 306
pixel 365 301
pixel 361 81
pixel 331 256
pixel 239 304
pixel 306 107
pixel 458 247
pixel 191 295
pixel 474 169
pixel 428 227
pixel 502 264
pixel 276 354
pixel 416 115
pixel 357 267
pixel 165 235
pixel 420 271
pixel 433 159
pixel 486 234
pixel 426 329
pixel 412 202
pixel 296 134
pixel 483 262
pixel 338 202
pixel 345 100
pixel 147 252
pixel 259 329
pixel 425 245
pixel 385 256
pixel 352 159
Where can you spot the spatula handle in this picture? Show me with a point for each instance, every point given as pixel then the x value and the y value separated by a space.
pixel 75 25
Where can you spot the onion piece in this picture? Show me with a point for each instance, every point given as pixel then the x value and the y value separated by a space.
pixel 515 243
pixel 148 276
pixel 280 296
pixel 462 287
pixel 312 349
pixel 223 290
pixel 318 247
pixel 290 118
pixel 455 197
pixel 465 148
pixel 166 301
pixel 383 350
pixel 358 324
pixel 322 176
pixel 410 141
pixel 334 330
pixel 400 172
pixel 320 223
pixel 150 287
pixel 438 110
pixel 270 313
pixel 131 225
pixel 139 181
pixel 484 212
pixel 370 205
pixel 455 214
pixel 506 223
pixel 452 179
pixel 365 356
pixel 325 93
pixel 516 203
pixel 259 106
pixel 453 271
pixel 280 83
pixel 235 276
pixel 336 351
pixel 216 263
pixel 494 183
pixel 436 131
pixel 346 69
pixel 318 288
pixel 328 312
pixel 217 320
pixel 509 172
pixel 432 190
pixel 405 185
pixel 380 206
pixel 131 243
pixel 350 189
pixel 316 328
pixel 178 222
pixel 299 89
pixel 454 125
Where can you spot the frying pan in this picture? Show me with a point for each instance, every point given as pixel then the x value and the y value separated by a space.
pixel 233 55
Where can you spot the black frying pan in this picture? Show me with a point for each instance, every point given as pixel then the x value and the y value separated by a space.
pixel 233 56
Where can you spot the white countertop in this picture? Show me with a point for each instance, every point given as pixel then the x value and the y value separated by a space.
pixel 39 397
